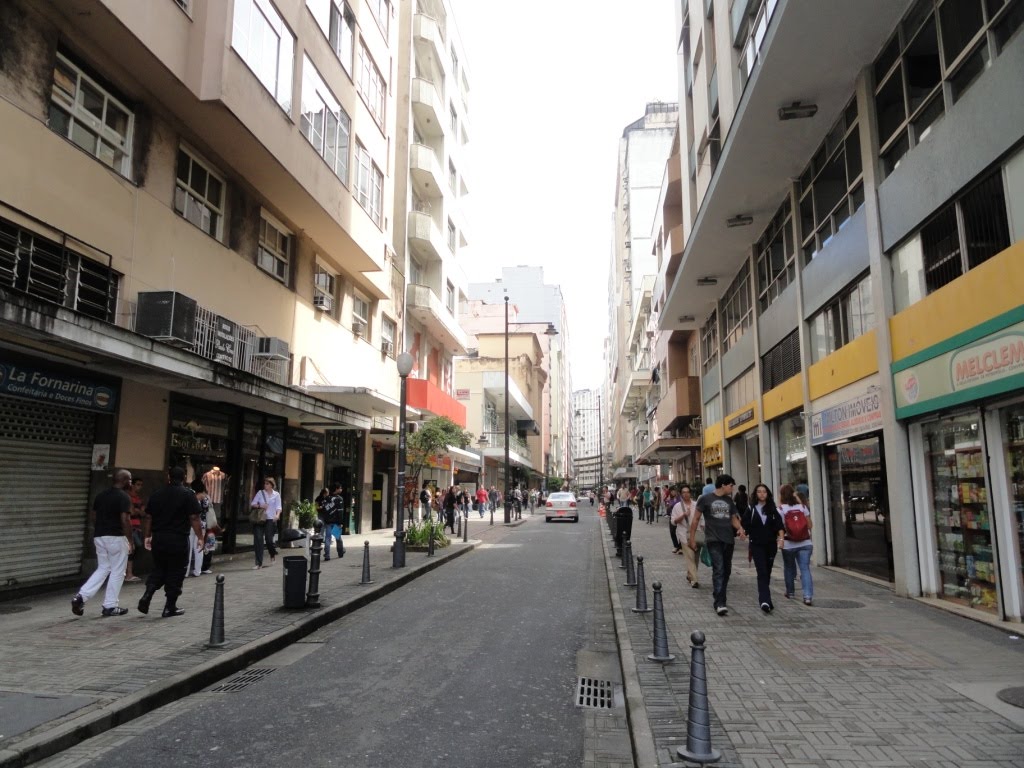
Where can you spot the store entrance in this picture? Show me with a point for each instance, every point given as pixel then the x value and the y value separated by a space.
pixel 858 499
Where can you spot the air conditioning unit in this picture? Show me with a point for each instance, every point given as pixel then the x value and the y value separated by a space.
pixel 271 348
pixel 167 316
pixel 358 327
pixel 323 302
pixel 387 347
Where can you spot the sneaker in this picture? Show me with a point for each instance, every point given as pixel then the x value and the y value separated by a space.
pixel 766 608
pixel 168 612
pixel 114 611
pixel 207 573
pixel 131 578
pixel 695 585
pixel 807 601
pixel 78 605
pixel 721 610
pixel 256 567
pixel 789 596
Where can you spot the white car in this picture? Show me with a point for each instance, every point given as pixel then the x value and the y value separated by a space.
pixel 561 505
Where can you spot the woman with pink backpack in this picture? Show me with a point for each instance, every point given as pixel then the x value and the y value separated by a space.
pixel 798 547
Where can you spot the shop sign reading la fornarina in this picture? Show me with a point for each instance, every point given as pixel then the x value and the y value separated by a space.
pixel 992 365
pixel 31 383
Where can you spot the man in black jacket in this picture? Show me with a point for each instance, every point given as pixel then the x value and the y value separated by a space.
pixel 170 513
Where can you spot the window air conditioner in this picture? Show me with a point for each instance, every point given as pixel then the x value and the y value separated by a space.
pixel 387 348
pixel 271 348
pixel 358 327
pixel 167 316
pixel 323 302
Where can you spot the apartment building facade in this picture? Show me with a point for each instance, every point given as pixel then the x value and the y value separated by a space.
pixel 644 149
pixel 853 264
pixel 588 442
pixel 194 256
pixel 430 192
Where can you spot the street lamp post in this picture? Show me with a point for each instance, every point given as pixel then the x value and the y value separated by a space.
pixel 508 474
pixel 404 363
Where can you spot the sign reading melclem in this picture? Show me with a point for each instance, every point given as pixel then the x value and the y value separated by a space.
pixel 38 384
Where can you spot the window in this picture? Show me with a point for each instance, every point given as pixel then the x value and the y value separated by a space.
pixel 781 363
pixel 47 270
pixel 360 310
pixel 388 332
pixel 455 63
pixel 323 122
pixel 266 45
pixel 709 343
pixel 415 272
pixel 323 288
pixel 776 262
pixel 452 176
pixel 831 188
pixel 967 232
pixel 185 5
pixel 845 318
pixel 369 184
pixel 451 235
pixel 199 193
pixel 454 119
pixel 713 411
pixel 342 34
pixel 741 391
pixel 91 116
pixel 381 10
pixel 449 296
pixel 937 42
pixel 274 252
pixel 372 86
pixel 737 309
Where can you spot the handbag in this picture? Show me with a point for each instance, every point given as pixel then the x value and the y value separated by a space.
pixel 211 519
pixel 258 514
pixel 705 555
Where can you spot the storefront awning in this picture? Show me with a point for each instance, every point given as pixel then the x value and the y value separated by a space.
pixel 364 400
pixel 665 450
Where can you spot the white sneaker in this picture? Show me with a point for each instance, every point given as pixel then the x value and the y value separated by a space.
pixel 721 610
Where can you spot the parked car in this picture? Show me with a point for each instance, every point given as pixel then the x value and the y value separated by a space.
pixel 561 505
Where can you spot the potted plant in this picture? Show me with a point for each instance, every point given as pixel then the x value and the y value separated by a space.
pixel 305 513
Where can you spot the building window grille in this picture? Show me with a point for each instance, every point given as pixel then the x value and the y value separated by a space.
pixel 90 115
pixel 781 363
pixel 709 343
pixel 741 391
pixel 737 309
pixel 831 187
pixel 776 262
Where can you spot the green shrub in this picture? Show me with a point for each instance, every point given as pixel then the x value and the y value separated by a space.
pixel 418 534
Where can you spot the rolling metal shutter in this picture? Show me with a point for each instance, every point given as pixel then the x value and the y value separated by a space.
pixel 45 460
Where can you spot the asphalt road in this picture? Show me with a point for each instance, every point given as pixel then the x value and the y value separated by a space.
pixel 474 664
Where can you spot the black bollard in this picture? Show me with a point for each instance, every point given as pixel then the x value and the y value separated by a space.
pixel 465 530
pixel 660 633
pixel 698 720
pixel 641 588
pixel 627 552
pixel 315 546
pixel 366 564
pixel 430 540
pixel 630 573
pixel 458 535
pixel 217 625
pixel 492 513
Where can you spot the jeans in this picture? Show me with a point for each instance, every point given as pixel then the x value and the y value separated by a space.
pixel 263 533
pixel 764 559
pixel 721 569
pixel 111 560
pixel 790 559
pixel 333 531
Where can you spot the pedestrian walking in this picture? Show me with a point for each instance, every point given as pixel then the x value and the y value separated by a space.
pixel 709 486
pixel 138 507
pixel 493 498
pixel 112 538
pixel 671 499
pixel 171 512
pixel 764 528
pixel 332 522
pixel 268 502
pixel 797 547
pixel 450 500
pixel 482 500
pixel 425 499
pixel 682 515
pixel 721 524
pixel 657 502
pixel 648 504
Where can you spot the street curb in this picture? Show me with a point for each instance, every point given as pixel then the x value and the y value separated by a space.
pixel 163 692
pixel 640 734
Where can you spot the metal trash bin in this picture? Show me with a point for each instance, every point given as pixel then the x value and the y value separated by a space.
pixel 623 525
pixel 293 579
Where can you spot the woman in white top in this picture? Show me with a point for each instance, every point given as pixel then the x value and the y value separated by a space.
pixel 681 515
pixel 798 546
pixel 269 500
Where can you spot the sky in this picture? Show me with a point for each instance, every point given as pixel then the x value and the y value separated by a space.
pixel 553 83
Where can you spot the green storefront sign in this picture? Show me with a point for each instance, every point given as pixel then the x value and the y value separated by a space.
pixel 985 366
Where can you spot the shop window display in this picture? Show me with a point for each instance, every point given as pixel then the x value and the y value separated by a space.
pixel 858 500
pixel 960 501
pixel 1013 438
pixel 793 451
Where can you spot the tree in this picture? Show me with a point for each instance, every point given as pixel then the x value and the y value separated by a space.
pixel 432 438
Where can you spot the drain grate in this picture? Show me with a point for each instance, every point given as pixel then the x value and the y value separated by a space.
pixel 594 694
pixel 14 608
pixel 837 604
pixel 243 680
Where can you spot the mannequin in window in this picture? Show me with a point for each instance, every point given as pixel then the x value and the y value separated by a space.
pixel 214 480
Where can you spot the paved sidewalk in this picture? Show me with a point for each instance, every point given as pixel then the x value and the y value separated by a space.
pixel 862 678
pixel 66 678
